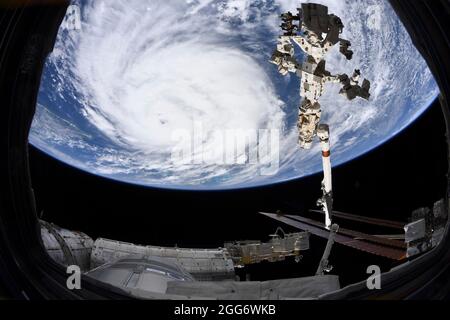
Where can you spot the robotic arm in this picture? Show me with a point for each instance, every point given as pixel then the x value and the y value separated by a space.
pixel 326 202
pixel 351 88
pixel 285 63
pixel 283 56
pixel 316 32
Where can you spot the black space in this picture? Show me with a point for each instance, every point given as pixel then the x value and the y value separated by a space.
pixel 404 174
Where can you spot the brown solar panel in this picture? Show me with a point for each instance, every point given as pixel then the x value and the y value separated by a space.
pixel 367 220
pixel 356 234
pixel 360 242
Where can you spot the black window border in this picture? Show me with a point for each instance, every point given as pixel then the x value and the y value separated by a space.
pixel 27 35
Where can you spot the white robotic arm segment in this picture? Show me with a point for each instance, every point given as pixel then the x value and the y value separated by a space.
pixel 323 132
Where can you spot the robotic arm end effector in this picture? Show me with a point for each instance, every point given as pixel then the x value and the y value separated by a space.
pixel 278 60
pixel 351 88
pixel 285 62
pixel 344 49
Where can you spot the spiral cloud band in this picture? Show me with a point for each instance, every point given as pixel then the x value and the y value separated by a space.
pixel 133 74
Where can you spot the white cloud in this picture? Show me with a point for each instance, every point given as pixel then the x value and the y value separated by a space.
pixel 145 83
pixel 141 69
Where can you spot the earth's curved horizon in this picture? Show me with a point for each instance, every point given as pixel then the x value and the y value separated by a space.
pixel 114 92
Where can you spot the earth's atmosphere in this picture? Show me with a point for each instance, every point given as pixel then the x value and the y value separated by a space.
pixel 115 93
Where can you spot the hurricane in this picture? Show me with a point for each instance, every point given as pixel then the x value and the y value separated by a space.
pixel 116 90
